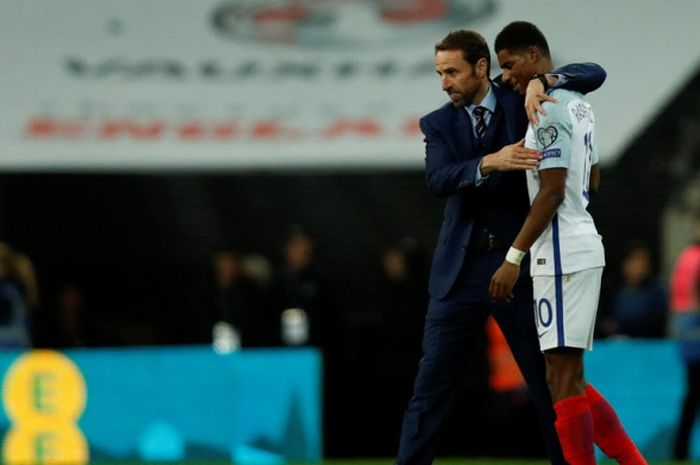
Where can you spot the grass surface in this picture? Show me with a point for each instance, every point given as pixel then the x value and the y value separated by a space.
pixel 389 461
pixel 471 461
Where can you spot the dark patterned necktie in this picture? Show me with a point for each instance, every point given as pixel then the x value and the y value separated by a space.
pixel 480 122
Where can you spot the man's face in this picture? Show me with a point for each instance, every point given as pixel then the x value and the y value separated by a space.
pixel 459 78
pixel 518 67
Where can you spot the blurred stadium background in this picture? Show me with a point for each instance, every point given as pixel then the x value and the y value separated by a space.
pixel 168 165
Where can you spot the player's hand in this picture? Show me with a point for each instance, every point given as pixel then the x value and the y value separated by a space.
pixel 534 97
pixel 510 158
pixel 503 281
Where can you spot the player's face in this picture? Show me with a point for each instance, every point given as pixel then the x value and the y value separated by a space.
pixel 462 81
pixel 518 67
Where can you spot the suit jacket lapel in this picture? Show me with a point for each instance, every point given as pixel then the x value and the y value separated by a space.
pixel 462 132
pixel 494 122
pixel 462 125
pixel 502 111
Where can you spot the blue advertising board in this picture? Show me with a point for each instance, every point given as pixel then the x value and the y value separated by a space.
pixel 644 380
pixel 161 404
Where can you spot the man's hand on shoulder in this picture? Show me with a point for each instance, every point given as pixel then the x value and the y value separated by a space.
pixel 535 96
pixel 510 158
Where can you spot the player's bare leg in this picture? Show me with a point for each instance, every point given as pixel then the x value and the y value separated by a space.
pixel 565 373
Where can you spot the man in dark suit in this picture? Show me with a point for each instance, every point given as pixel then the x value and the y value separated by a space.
pixel 474 159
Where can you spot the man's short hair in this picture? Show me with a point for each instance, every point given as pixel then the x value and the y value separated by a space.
pixel 472 45
pixel 518 36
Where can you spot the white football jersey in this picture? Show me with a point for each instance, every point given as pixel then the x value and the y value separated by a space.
pixel 566 138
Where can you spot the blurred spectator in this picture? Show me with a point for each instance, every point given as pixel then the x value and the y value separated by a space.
pixel 64 324
pixel 636 304
pixel 300 295
pixel 229 305
pixel 510 411
pixel 14 311
pixel 685 306
pixel 504 375
pixel 403 299
pixel 71 328
pixel 257 268
pixel 26 278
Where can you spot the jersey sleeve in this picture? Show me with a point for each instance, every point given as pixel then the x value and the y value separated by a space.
pixel 553 137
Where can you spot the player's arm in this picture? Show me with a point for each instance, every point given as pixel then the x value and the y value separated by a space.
pixel 580 77
pixel 594 182
pixel 544 207
pixel 553 137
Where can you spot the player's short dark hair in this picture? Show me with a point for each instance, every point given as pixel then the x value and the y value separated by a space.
pixel 518 36
pixel 472 45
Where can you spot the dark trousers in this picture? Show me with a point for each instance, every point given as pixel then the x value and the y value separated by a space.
pixel 690 409
pixel 451 324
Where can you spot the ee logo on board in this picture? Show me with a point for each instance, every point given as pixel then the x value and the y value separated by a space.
pixel 44 396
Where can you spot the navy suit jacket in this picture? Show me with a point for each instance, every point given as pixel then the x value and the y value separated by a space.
pixel 499 203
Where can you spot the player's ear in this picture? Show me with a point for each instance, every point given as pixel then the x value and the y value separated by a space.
pixel 533 53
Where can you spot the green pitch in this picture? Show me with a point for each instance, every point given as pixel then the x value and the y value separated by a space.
pixel 389 461
pixel 438 462
pixel 470 461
